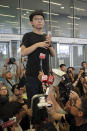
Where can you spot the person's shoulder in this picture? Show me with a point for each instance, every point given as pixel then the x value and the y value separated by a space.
pixel 27 34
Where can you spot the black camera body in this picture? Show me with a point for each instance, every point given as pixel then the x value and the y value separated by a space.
pixel 11 60
pixel 69 71
pixel 84 74
pixel 65 86
pixel 39 111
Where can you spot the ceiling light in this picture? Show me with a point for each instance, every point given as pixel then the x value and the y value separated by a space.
pixel 27 12
pixel 24 9
pixel 62 7
pixel 72 28
pixel 78 9
pixel 50 13
pixel 4 6
pixel 51 21
pixel 6 15
pixel 72 24
pixel 12 22
pixel 25 17
pixel 55 27
pixel 45 1
pixel 73 17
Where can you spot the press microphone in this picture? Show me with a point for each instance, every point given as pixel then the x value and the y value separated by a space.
pixel 42 57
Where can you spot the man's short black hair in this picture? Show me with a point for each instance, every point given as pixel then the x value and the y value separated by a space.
pixel 71 68
pixel 37 12
pixel 62 65
pixel 83 62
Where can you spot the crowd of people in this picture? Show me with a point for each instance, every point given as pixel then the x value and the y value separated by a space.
pixel 68 100
pixel 64 108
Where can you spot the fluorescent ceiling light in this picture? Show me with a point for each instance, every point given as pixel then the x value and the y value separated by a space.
pixel 4 6
pixel 50 13
pixel 78 9
pixel 72 24
pixel 62 7
pixel 53 3
pixel 24 9
pixel 25 17
pixel 72 28
pixel 51 21
pixel 27 12
pixel 12 22
pixel 73 17
pixel 7 15
pixel 55 27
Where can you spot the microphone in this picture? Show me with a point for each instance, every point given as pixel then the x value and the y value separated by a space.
pixel 50 79
pixel 42 56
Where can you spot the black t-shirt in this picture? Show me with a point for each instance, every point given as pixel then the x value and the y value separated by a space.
pixel 33 63
pixel 79 128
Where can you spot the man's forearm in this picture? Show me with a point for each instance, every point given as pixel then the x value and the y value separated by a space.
pixel 52 51
pixel 26 51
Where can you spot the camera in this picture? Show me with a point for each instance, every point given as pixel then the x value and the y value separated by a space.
pixel 65 86
pixel 39 111
pixel 83 74
pixel 69 71
pixel 11 60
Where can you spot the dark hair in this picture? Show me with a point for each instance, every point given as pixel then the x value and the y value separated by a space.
pixel 62 65
pixel 71 68
pixel 84 106
pixel 47 127
pixel 83 62
pixel 37 12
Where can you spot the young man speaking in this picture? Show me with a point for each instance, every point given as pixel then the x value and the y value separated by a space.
pixel 34 43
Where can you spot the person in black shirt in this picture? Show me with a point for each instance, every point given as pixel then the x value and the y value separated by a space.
pixel 34 43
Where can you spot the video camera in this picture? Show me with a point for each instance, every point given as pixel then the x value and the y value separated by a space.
pixel 11 60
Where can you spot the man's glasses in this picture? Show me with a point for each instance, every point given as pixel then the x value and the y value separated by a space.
pixel 38 19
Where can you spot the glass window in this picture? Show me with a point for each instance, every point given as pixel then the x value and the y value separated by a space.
pixel 4 53
pixel 62 18
pixel 28 7
pixel 9 20
pixel 80 11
